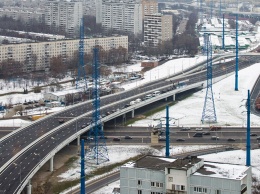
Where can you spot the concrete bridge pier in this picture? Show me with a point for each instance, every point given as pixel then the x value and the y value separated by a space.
pixel 29 187
pixel 124 119
pixel 173 97
pixel 133 113
pixel 166 99
pixel 78 140
pixel 51 164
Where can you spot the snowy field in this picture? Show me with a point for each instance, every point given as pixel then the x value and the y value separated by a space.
pixel 228 102
pixel 120 153
pixel 163 71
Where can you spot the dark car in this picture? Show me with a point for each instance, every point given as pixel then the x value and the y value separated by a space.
pixel 253 134
pixel 231 139
pixel 198 135
pixel 103 137
pixel 128 137
pixel 206 133
pixel 61 120
pixel 258 138
pixel 83 126
pixel 164 91
pixel 180 139
pixel 116 139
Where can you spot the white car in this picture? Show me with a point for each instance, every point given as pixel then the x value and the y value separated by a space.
pixel 199 129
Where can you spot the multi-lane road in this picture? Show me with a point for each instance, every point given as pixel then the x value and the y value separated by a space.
pixel 22 152
pixel 143 135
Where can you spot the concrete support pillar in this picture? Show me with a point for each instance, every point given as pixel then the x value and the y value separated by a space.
pixel 102 127
pixel 166 99
pixel 133 113
pixel 29 187
pixel 124 118
pixel 78 140
pixel 51 164
pixel 173 97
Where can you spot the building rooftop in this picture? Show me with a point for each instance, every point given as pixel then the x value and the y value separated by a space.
pixel 153 162
pixel 184 163
pixel 220 170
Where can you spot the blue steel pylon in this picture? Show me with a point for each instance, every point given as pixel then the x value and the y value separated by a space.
pixel 81 65
pixel 97 152
pixel 209 112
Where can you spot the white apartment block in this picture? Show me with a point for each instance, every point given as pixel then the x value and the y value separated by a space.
pixel 157 29
pixel 22 14
pixel 123 15
pixel 36 56
pixel 65 15
pixel 191 175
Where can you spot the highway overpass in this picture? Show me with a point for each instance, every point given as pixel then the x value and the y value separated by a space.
pixel 24 151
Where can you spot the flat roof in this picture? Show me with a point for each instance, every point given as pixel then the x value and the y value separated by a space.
pixel 151 162
pixel 184 163
pixel 221 170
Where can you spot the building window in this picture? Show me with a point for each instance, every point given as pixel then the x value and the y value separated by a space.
pixel 218 192
pixel 139 182
pixel 157 184
pixel 161 184
pixel 202 190
pixel 182 187
pixel 139 191
pixel 152 184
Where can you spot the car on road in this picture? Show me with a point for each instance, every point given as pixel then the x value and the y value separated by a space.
pixel 148 96
pixel 215 128
pixel 231 139
pixel 116 139
pixel 185 128
pixel 61 120
pixel 180 139
pixel 83 126
pixel 258 138
pixel 199 129
pixel 103 137
pixel 156 93
pixel 253 134
pixel 214 138
pixel 128 137
pixel 198 135
pixel 162 138
pixel 206 133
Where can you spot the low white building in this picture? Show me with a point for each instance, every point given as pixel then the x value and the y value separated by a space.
pixel 191 175
pixel 61 95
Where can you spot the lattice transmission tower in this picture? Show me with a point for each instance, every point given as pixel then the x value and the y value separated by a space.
pixel 81 77
pixel 209 112
pixel 97 149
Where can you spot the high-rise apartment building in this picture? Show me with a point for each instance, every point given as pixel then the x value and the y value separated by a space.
pixel 122 15
pixel 64 15
pixel 157 29
pixel 149 7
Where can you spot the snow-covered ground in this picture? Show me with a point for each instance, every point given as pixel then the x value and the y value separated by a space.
pixel 227 102
pixel 165 70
